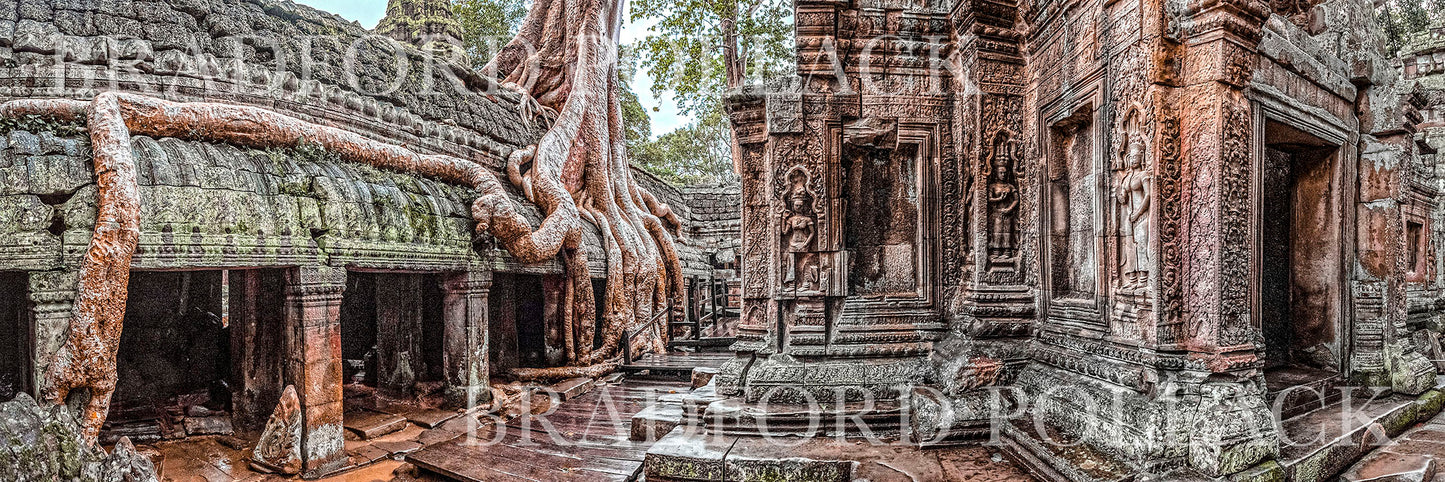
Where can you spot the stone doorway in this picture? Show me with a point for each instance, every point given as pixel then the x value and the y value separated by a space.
pixel 174 363
pixel 15 338
pixel 1300 273
pixel 391 333
pixel 526 322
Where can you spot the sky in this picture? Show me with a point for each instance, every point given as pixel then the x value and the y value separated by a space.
pixel 665 117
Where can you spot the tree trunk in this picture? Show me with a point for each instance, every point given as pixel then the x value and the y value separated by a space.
pixel 565 57
pixel 733 68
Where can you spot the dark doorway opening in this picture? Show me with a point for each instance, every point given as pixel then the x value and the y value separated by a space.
pixel 259 355
pixel 15 337
pixel 531 321
pixel 391 332
pixel 599 295
pixel 521 335
pixel 174 362
pixel 1301 260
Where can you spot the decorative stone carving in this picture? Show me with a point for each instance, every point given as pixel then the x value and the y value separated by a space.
pixel 1003 203
pixel 1133 191
pixel 800 232
pixel 279 448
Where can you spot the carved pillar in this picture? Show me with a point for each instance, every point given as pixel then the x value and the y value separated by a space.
pixel 747 110
pixel 465 321
pixel 52 297
pixel 313 319
pixel 1001 204
pixel 1219 377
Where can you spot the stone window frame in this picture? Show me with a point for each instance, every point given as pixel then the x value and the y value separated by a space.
pixel 1074 312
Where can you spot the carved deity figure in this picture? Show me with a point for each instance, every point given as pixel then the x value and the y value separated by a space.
pixel 800 227
pixel 1136 255
pixel 1003 206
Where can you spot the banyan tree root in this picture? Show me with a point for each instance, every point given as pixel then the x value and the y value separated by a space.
pixel 564 57
pixel 83 372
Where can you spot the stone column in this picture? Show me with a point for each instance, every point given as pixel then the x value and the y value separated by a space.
pixel 313 321
pixel 52 298
pixel 999 301
pixel 464 342
pixel 1220 387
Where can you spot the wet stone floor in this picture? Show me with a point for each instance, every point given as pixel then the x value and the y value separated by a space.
pixel 379 439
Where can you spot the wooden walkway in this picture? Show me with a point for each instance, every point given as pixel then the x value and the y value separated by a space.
pixel 585 439
pixel 677 363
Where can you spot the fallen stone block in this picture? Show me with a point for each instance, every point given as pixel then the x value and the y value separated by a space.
pixel 701 376
pixel 212 425
pixel 655 422
pixel 572 388
pixel 279 449
pixel 369 425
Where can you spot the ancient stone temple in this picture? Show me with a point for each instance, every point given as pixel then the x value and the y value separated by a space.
pixel 1093 240
pixel 1138 225
pixel 287 201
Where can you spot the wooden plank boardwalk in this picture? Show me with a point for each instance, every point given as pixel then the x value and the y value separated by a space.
pixel 676 363
pixel 584 439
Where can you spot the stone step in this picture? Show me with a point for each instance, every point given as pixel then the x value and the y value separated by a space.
pixel 655 422
pixel 735 417
pixel 1321 444
pixel 1416 456
pixel 683 455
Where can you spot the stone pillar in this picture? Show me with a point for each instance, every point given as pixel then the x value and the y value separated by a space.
pixel 464 342
pixel 1221 387
pixel 1004 240
pixel 313 321
pixel 52 298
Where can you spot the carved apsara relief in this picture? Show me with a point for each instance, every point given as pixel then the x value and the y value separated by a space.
pixel 800 233
pixel 1133 191
pixel 1003 203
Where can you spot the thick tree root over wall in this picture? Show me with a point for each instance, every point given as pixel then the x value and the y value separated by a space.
pixel 83 372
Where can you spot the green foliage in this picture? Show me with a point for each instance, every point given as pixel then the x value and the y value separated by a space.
pixel 635 120
pixel 1404 20
pixel 487 25
pixel 684 51
pixel 37 123
pixel 700 153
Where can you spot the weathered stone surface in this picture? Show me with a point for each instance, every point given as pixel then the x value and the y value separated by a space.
pixel 688 456
pixel 279 447
pixel 47 444
pixel 368 424
pixel 208 425
pixel 702 376
pixel 655 422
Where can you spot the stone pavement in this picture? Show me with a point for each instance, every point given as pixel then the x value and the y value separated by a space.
pixel 1417 455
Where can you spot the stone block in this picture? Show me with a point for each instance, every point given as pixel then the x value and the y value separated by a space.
pixel 655 422
pixel 688 456
pixel 35 37
pixel 20 214
pixel 369 425
pixel 209 425
pixel 57 174
pixel 1388 466
pixel 702 376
